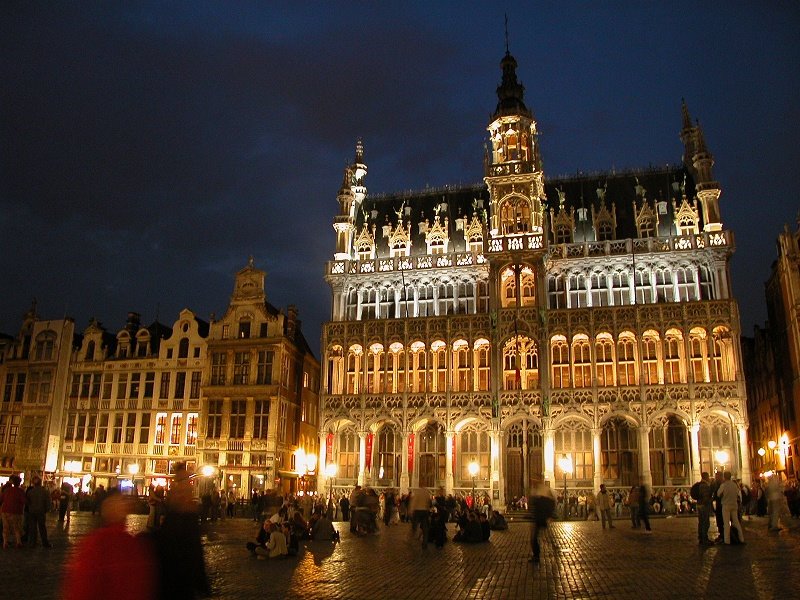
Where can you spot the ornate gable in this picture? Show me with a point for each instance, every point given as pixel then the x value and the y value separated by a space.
pixel 437 237
pixel 687 217
pixel 364 244
pixel 605 221
pixel 562 224
pixel 646 219
pixel 400 240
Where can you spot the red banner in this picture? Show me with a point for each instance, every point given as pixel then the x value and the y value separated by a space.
pixel 329 449
pixel 370 438
pixel 410 452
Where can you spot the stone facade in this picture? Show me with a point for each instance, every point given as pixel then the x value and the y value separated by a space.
pixel 577 330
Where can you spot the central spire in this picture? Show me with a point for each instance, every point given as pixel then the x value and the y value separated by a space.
pixel 510 92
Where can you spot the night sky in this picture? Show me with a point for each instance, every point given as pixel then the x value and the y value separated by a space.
pixel 148 149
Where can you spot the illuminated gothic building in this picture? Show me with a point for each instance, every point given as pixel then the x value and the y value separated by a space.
pixel 577 330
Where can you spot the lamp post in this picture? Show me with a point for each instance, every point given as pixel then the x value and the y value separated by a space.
pixel 133 469
pixel 473 469
pixel 311 467
pixel 330 473
pixel 565 462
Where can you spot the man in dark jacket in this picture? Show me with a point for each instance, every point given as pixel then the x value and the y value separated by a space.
pixel 543 504
pixel 38 502
pixel 704 508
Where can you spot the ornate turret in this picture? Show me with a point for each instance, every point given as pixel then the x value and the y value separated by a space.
pixel 708 190
pixel 350 197
pixel 513 167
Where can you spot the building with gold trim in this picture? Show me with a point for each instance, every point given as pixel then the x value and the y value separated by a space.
pixel 577 330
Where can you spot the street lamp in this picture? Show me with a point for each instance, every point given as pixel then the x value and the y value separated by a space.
pixel 311 467
pixel 330 473
pixel 133 469
pixel 473 469
pixel 565 462
pixel 722 457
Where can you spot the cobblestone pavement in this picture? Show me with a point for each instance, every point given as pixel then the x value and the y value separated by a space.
pixel 580 560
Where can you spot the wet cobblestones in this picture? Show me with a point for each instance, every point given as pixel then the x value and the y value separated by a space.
pixel 580 560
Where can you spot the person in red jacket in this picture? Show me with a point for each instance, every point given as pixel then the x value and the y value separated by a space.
pixel 104 561
pixel 11 507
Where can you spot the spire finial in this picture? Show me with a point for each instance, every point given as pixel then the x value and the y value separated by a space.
pixel 506 18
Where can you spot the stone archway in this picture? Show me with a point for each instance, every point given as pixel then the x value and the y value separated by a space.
pixel 523 458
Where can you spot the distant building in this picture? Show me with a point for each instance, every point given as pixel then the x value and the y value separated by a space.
pixel 578 330
pixel 260 398
pixel 775 365
pixel 238 396
pixel 34 370
pixel 134 402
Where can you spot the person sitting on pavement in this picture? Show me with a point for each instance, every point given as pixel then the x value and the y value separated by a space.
pixel 276 544
pixel 300 527
pixel 486 531
pixel 323 530
pixel 470 530
pixel 497 522
pixel 262 537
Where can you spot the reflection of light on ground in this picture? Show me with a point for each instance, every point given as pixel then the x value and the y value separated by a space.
pixel 568 529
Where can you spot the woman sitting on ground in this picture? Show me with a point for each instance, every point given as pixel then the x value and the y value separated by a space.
pixel 323 530
pixel 261 538
pixel 276 545
pixel 497 522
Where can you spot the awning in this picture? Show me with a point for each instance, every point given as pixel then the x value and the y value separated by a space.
pixel 287 474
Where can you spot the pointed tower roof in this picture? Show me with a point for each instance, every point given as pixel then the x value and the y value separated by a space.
pixel 510 92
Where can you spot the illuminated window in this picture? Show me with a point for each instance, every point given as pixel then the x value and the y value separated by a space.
pixel 261 420
pixel 650 344
pixel 626 359
pixel 559 350
pixel 161 426
pixel 604 359
pixel 175 429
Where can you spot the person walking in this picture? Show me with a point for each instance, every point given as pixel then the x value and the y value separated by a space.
pixel 731 498
pixel 644 507
pixel 38 502
pixel 633 506
pixel 420 507
pixel 715 485
pixel 701 493
pixel 543 505
pixel 604 503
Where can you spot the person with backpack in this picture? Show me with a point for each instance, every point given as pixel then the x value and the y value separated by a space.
pixel 701 493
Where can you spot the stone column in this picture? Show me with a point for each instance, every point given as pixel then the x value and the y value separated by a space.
pixel 322 477
pixel 362 458
pixel 549 457
pixel 694 438
pixel 644 455
pixel 598 468
pixel 744 455
pixel 496 473
pixel 526 477
pixel 404 464
pixel 449 436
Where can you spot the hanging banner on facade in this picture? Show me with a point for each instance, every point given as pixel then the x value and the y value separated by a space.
pixel 370 438
pixel 410 452
pixel 454 453
pixel 329 449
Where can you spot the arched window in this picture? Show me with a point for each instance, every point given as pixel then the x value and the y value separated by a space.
pixel 431 455
pixel 620 452
pixel 355 356
pixel 508 292
pixel 556 293
pixel 515 216
pixel 604 359
pixel 527 287
pixel 716 443
pixel 520 364
pixel 462 366
pixel 336 370
pixel 669 452
pixel 481 361
pixel 418 366
pixel 45 344
pixel 348 454
pixel 474 445
pixel 626 359
pixel 673 355
pixel 574 440
pixel 559 350
pixel 90 350
pixel 183 348
pixel 581 354
pixel 722 365
pixel 697 355
pixel 599 291
pixel 438 381
pixel 650 343
pixel 396 376
pixel 389 455
pixel 375 359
